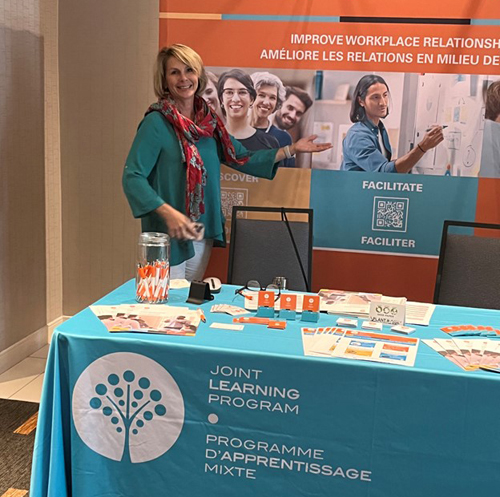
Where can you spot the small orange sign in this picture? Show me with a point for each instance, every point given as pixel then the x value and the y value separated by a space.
pixel 311 303
pixel 266 298
pixel 288 301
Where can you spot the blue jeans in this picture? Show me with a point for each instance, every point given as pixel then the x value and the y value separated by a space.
pixel 194 268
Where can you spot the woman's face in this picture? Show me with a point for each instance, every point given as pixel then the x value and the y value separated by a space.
pixel 265 103
pixel 210 95
pixel 182 81
pixel 376 102
pixel 235 98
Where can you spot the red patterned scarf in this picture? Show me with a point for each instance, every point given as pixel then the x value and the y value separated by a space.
pixel 206 123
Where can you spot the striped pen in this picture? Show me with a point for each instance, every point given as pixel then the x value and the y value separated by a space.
pixel 152 282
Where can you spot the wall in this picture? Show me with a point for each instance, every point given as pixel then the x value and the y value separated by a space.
pixel 49 26
pixel 22 188
pixel 106 56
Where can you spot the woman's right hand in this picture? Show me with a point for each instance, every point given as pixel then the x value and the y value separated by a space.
pixel 432 139
pixel 178 224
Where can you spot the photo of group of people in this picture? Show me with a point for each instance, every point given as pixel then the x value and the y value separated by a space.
pixel 257 108
pixel 433 124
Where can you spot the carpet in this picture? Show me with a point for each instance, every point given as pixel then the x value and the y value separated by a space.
pixel 17 436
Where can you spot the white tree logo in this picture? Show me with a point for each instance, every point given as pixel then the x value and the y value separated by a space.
pixel 128 408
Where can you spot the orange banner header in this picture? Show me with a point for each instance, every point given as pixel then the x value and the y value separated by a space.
pixel 341 46
pixel 486 9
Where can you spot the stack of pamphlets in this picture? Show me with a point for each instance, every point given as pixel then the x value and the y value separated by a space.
pixel 468 354
pixel 358 304
pixel 349 303
pixel 144 318
pixel 359 345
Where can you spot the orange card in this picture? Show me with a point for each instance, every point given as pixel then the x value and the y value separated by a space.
pixel 277 325
pixel 266 299
pixel 288 301
pixel 311 303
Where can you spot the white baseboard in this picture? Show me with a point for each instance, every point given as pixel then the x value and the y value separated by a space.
pixel 22 349
pixel 25 347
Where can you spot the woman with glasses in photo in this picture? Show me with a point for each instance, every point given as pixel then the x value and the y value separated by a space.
pixel 237 96
pixel 172 173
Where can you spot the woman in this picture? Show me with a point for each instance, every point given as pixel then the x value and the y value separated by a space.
pixel 237 96
pixel 366 146
pixel 270 97
pixel 172 173
pixel 210 93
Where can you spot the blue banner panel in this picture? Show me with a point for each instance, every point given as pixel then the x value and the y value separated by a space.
pixel 387 213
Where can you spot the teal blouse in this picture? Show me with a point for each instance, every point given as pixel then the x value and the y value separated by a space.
pixel 154 174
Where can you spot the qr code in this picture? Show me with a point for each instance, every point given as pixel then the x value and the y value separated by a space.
pixel 390 214
pixel 231 197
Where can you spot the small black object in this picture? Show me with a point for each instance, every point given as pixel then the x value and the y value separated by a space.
pixel 199 291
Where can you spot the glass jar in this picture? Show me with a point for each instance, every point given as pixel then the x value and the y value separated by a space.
pixel 153 270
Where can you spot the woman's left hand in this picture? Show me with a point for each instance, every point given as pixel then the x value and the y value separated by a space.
pixel 308 145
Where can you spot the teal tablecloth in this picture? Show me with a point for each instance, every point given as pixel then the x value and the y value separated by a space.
pixel 244 413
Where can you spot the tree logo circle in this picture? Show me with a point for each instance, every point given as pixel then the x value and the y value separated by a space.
pixel 127 407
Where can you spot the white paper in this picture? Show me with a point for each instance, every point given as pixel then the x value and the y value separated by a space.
pixel 308 338
pixel 179 283
pixel 419 313
pixel 325 344
pixel 227 326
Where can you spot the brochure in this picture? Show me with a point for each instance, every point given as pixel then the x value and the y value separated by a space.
pixel 377 347
pixel 359 345
pixel 144 318
pixel 468 354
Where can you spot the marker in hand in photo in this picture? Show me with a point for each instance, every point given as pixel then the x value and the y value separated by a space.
pixel 442 127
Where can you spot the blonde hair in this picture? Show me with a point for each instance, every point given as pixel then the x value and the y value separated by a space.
pixel 187 56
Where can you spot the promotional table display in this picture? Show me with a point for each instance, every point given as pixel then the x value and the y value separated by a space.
pixel 265 304
pixel 288 306
pixel 310 308
pixel 153 270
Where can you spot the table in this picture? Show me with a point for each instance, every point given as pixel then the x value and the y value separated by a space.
pixel 245 413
